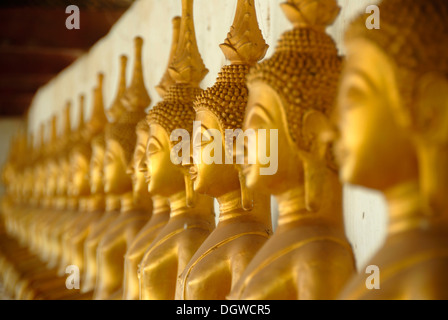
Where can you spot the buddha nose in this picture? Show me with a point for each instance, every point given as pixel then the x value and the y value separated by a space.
pixel 187 165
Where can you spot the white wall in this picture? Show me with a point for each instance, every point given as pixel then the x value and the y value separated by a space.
pixel 365 212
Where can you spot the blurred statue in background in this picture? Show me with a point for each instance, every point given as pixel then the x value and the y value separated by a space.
pixel 97 228
pixel 192 217
pixel 161 209
pixel 93 136
pixel 245 217
pixel 136 204
pixel 393 118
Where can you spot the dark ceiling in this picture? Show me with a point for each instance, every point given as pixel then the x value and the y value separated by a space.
pixel 35 44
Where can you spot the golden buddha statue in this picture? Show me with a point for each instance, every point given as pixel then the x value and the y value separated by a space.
pixel 161 209
pixel 43 215
pixel 94 207
pixel 136 205
pixel 293 93
pixel 95 229
pixel 245 217
pixel 20 265
pixel 191 217
pixel 31 277
pixel 34 174
pixel 396 80
pixel 65 205
pixel 78 188
pixel 49 179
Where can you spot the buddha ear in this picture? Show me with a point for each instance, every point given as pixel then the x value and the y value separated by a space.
pixel 318 130
pixel 432 108
pixel 190 194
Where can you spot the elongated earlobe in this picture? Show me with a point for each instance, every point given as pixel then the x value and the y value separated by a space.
pixel 247 199
pixel 314 180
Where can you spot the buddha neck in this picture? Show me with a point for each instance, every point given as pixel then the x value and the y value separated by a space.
pixel 291 207
pixel 405 208
pixel 143 203
pixel 230 205
pixel 112 203
pixel 160 205
pixel 127 202
pixel 178 204
pixel 95 203
pixel 203 206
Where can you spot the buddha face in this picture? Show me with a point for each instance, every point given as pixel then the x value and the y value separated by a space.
pixel 115 179
pixel 265 111
pixel 163 177
pixel 139 185
pixel 79 178
pixel 215 179
pixel 374 150
pixel 96 169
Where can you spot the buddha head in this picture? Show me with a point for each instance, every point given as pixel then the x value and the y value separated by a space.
pixel 120 135
pixel 222 107
pixel 393 100
pixel 293 92
pixel 179 86
pixel 164 177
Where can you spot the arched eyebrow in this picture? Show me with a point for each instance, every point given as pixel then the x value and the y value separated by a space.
pixel 151 139
pixel 264 114
pixel 360 74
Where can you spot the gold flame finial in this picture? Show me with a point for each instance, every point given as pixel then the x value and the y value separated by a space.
pixel 136 97
pixel 98 119
pixel 244 43
pixel 188 67
pixel 116 108
pixel 311 13
pixel 167 81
